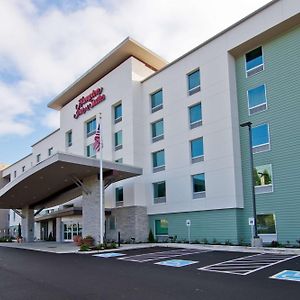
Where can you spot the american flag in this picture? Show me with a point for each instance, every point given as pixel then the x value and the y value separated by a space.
pixel 98 139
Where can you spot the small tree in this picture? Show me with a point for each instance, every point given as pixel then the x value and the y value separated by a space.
pixel 151 237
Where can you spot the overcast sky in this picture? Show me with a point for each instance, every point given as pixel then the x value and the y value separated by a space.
pixel 46 45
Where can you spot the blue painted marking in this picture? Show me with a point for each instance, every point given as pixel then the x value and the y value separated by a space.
pixel 177 263
pixel 288 275
pixel 109 254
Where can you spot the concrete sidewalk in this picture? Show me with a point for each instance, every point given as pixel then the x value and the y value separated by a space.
pixel 69 247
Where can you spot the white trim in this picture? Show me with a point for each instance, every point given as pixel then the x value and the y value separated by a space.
pixel 263 61
pixel 261 104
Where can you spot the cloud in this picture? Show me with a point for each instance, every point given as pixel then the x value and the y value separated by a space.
pixel 46 45
pixel 51 120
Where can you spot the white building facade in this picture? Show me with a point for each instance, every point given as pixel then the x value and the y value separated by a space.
pixel 179 122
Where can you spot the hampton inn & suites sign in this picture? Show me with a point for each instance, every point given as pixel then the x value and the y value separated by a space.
pixel 88 102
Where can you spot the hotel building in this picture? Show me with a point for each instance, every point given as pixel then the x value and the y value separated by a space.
pixel 173 146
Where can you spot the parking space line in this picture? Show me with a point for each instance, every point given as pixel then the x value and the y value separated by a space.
pixel 161 255
pixel 249 264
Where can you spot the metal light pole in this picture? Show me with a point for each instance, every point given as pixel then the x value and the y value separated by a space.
pixel 249 125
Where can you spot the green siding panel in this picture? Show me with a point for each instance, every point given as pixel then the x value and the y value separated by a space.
pixel 282 78
pixel 215 224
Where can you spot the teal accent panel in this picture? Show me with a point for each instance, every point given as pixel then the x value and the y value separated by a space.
pixel 281 75
pixel 220 225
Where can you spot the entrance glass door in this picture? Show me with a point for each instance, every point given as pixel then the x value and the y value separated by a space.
pixel 72 229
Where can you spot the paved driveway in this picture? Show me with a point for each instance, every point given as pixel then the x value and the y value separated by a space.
pixel 26 274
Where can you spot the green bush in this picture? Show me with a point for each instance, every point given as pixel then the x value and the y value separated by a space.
pixel 84 247
pixel 151 237
pixel 6 239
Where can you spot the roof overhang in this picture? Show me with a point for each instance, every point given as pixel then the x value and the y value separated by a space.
pixel 122 52
pixel 51 182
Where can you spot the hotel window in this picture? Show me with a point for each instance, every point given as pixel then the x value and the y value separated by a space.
pixel 119 160
pixel 263 179
pixel 198 186
pixel 38 158
pixel 118 113
pixel 91 127
pixel 15 174
pixel 197 151
pixel 119 196
pixel 161 227
pixel 50 151
pixel 159 192
pixel 266 224
pixel 193 82
pixel 118 140
pixel 69 138
pixel 195 115
pixel 260 138
pixel 112 223
pixel 257 99
pixel 158 161
pixel 156 101
pixel 23 169
pixel 254 61
pixel 157 130
pixel 90 151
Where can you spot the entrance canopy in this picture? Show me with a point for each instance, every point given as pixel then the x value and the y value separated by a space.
pixel 58 179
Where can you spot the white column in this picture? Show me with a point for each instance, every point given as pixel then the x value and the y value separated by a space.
pixel 58 230
pixel 27 225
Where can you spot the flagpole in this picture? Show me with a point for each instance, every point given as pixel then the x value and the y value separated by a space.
pixel 101 183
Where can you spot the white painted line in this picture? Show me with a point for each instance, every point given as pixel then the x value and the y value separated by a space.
pixel 275 263
pixel 248 264
pixel 161 255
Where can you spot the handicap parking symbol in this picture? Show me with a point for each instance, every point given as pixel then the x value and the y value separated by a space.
pixel 109 254
pixel 177 263
pixel 287 275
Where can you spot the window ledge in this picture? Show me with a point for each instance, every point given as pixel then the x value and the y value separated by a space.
pixel 159 200
pixel 118 147
pixel 199 195
pixel 197 159
pixel 157 138
pixel 158 169
pixel 156 108
pixel 194 90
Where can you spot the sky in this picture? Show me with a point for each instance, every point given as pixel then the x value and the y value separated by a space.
pixel 47 44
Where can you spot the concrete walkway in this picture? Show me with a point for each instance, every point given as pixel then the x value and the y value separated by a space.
pixel 70 247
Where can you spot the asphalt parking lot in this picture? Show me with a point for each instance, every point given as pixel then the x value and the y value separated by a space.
pixel 142 274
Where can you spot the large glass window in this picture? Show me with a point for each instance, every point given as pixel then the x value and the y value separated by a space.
pixel 263 179
pixel 119 196
pixel 69 138
pixel 260 138
pixel 91 127
pixel 158 160
pixel 197 151
pixel 194 82
pixel 198 185
pixel 159 192
pixel 266 224
pixel 38 158
pixel 161 227
pixel 156 101
pixel 257 100
pixel 157 130
pixel 118 113
pixel 118 140
pixel 90 151
pixel 195 115
pixel 254 61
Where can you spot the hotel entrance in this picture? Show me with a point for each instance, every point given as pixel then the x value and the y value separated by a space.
pixel 71 229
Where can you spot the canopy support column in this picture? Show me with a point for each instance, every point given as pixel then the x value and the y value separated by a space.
pixel 28 224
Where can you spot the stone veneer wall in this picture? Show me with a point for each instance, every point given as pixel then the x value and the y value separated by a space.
pixel 131 222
